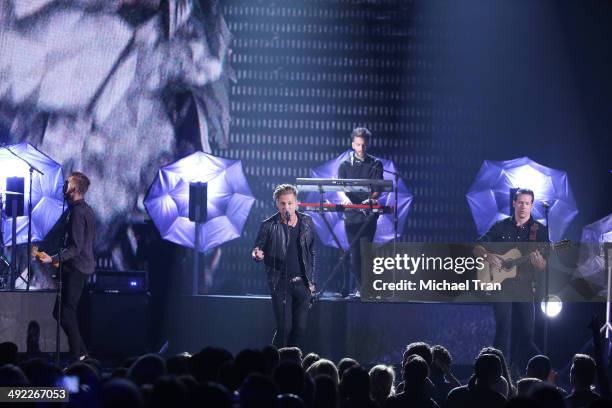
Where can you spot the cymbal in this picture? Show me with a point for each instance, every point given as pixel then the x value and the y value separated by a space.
pixel 11 193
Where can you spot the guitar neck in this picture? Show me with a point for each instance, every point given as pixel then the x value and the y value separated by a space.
pixel 522 259
pixel 541 247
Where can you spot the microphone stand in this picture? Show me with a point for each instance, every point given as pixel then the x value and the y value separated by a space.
pixel 287 217
pixel 395 216
pixel 3 262
pixel 60 283
pixel 546 282
pixel 395 197
pixel 31 169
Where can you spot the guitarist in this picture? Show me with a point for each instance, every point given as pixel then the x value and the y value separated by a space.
pixel 514 321
pixel 78 260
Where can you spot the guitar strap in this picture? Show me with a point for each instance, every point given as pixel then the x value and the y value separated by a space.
pixel 533 231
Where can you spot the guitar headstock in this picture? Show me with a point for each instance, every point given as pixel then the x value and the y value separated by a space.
pixel 546 247
pixel 561 244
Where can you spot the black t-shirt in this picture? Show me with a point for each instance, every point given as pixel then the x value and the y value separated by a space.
pixel 507 231
pixel 353 168
pixel 295 266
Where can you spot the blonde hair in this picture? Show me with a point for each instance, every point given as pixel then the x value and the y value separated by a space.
pixel 324 366
pixel 382 378
pixel 283 189
pixel 81 182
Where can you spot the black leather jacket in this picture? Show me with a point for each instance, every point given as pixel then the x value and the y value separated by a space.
pixel 272 240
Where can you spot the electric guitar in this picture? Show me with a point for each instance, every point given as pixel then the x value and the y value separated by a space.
pixel 38 255
pixel 510 261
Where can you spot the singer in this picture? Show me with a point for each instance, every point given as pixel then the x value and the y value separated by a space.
pixel 285 243
pixel 360 226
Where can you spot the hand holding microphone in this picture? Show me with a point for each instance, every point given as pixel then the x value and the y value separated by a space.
pixel 258 254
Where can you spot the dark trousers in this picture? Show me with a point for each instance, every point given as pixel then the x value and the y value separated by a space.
pixel 72 288
pixel 514 332
pixel 353 223
pixel 290 331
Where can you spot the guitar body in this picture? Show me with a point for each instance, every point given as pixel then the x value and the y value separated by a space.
pixel 510 260
pixel 492 274
pixel 37 254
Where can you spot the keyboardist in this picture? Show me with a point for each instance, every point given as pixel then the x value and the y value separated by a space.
pixel 359 165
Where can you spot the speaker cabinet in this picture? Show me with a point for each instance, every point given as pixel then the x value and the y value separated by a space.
pixel 15 203
pixel 119 324
pixel 198 197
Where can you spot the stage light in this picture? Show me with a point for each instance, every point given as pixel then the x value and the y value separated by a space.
pixel 553 307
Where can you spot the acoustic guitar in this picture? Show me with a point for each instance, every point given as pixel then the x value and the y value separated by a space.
pixel 510 261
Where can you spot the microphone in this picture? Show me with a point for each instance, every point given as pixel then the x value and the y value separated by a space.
pixel 545 204
pixel 287 216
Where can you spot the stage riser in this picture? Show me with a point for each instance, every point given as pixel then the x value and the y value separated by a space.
pixel 118 325
pixel 370 332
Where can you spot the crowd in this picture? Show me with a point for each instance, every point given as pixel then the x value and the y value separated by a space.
pixel 272 377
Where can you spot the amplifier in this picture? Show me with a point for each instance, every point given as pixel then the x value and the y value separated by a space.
pixel 120 281
pixel 118 324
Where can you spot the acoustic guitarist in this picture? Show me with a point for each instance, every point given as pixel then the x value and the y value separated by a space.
pixel 515 321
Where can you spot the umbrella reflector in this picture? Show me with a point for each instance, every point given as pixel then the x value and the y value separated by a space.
pixel 229 200
pixel 47 197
